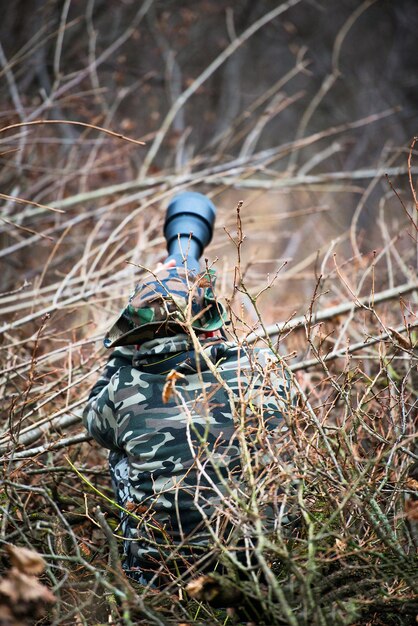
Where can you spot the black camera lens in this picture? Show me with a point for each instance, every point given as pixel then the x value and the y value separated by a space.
pixel 188 228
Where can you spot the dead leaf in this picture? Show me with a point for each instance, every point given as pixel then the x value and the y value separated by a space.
pixel 172 378
pixel 203 588
pixel 411 510
pixel 19 588
pixel 132 507
pixel 340 545
pixel 25 560
pixel 218 593
pixel 412 484
pixel 84 549
pixel 405 343
pixel 8 619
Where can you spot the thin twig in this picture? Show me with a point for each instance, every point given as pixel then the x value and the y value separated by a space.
pixel 74 123
pixel 334 311
pixel 306 364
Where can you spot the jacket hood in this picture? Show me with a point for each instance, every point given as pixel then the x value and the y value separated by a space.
pixel 160 356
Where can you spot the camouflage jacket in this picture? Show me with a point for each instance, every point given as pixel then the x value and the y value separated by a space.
pixel 183 452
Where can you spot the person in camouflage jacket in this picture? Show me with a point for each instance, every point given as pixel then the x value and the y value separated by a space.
pixel 172 406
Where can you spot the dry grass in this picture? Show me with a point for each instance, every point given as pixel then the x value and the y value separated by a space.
pixel 350 559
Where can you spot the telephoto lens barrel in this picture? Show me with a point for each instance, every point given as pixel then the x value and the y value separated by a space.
pixel 188 228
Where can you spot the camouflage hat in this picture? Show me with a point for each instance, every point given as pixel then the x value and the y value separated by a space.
pixel 174 298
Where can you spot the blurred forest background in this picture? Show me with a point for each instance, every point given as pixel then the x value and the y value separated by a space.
pixel 298 119
pixel 305 112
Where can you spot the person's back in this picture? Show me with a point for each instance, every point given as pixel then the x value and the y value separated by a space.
pixel 173 411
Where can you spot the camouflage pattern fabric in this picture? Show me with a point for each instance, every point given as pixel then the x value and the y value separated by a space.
pixel 174 298
pixel 175 465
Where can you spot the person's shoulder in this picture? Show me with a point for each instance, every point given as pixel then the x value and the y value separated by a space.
pixel 266 356
pixel 263 360
pixel 118 359
pixel 245 352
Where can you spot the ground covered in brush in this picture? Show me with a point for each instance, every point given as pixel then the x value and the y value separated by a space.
pixel 346 465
